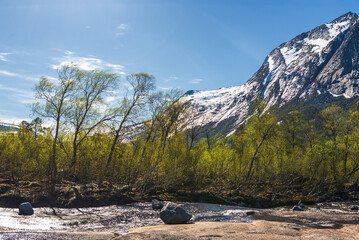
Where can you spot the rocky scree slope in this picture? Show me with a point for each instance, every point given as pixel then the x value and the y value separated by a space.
pixel 314 67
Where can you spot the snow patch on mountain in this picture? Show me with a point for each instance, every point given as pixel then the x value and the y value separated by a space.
pixel 336 28
pixel 271 63
pixel 218 105
pixel 335 95
pixel 297 70
pixel 290 55
pixel 319 44
pixel 215 97
pixel 340 95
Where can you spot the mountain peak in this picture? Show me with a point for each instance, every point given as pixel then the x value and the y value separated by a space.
pixel 347 16
pixel 321 62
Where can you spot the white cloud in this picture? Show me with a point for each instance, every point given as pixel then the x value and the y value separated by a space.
pixel 22 96
pixel 165 88
pixel 88 27
pixel 67 52
pixel 120 29
pixel 196 80
pixel 3 57
pixel 29 78
pixel 110 99
pixel 7 73
pixel 170 79
pixel 122 26
pixel 11 74
pixel 115 67
pixel 51 78
pixel 4 118
pixel 87 63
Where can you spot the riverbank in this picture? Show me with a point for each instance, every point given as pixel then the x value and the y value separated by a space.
pixel 261 195
pixel 209 221
pixel 319 221
pixel 57 235
pixel 256 230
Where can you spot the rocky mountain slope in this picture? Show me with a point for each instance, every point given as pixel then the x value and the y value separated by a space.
pixel 319 64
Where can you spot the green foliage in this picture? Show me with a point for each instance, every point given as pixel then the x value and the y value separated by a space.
pixel 88 144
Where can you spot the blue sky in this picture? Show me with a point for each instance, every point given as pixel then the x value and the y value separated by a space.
pixel 188 44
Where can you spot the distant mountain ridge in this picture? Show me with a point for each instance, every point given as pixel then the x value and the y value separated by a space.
pixel 9 126
pixel 315 66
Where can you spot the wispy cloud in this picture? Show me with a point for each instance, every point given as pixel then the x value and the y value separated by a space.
pixel 110 99
pixel 3 57
pixel 88 27
pixel 196 80
pixel 121 29
pixel 11 74
pixel 122 26
pixel 67 52
pixel 165 88
pixel 51 78
pixel 7 73
pixel 170 79
pixel 87 63
pixel 4 117
pixel 22 96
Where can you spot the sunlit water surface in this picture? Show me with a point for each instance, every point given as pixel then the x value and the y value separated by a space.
pixel 114 219
pixel 120 219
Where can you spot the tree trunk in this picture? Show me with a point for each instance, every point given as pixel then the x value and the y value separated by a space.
pixel 52 163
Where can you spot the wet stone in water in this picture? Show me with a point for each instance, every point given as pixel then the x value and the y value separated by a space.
pixel 174 214
pixel 157 205
pixel 248 213
pixel 26 209
pixel 354 208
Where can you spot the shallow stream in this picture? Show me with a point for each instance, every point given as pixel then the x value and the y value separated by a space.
pixel 110 219
pixel 104 222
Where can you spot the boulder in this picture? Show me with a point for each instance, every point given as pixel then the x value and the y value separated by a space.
pixel 354 208
pixel 297 208
pixel 248 213
pixel 26 209
pixel 157 205
pixel 174 214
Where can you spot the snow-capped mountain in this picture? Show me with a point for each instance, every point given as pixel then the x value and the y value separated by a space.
pixel 323 61
pixel 8 127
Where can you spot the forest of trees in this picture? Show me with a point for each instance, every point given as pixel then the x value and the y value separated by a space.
pixel 144 137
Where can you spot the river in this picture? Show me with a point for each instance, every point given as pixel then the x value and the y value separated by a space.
pixel 104 222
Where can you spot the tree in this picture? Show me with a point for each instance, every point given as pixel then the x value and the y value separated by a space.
pixel 159 104
pixel 34 127
pixel 333 123
pixel 37 127
pixel 167 111
pixel 193 128
pixel 88 109
pixel 349 145
pixel 142 84
pixel 261 127
pixel 293 126
pixel 55 104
